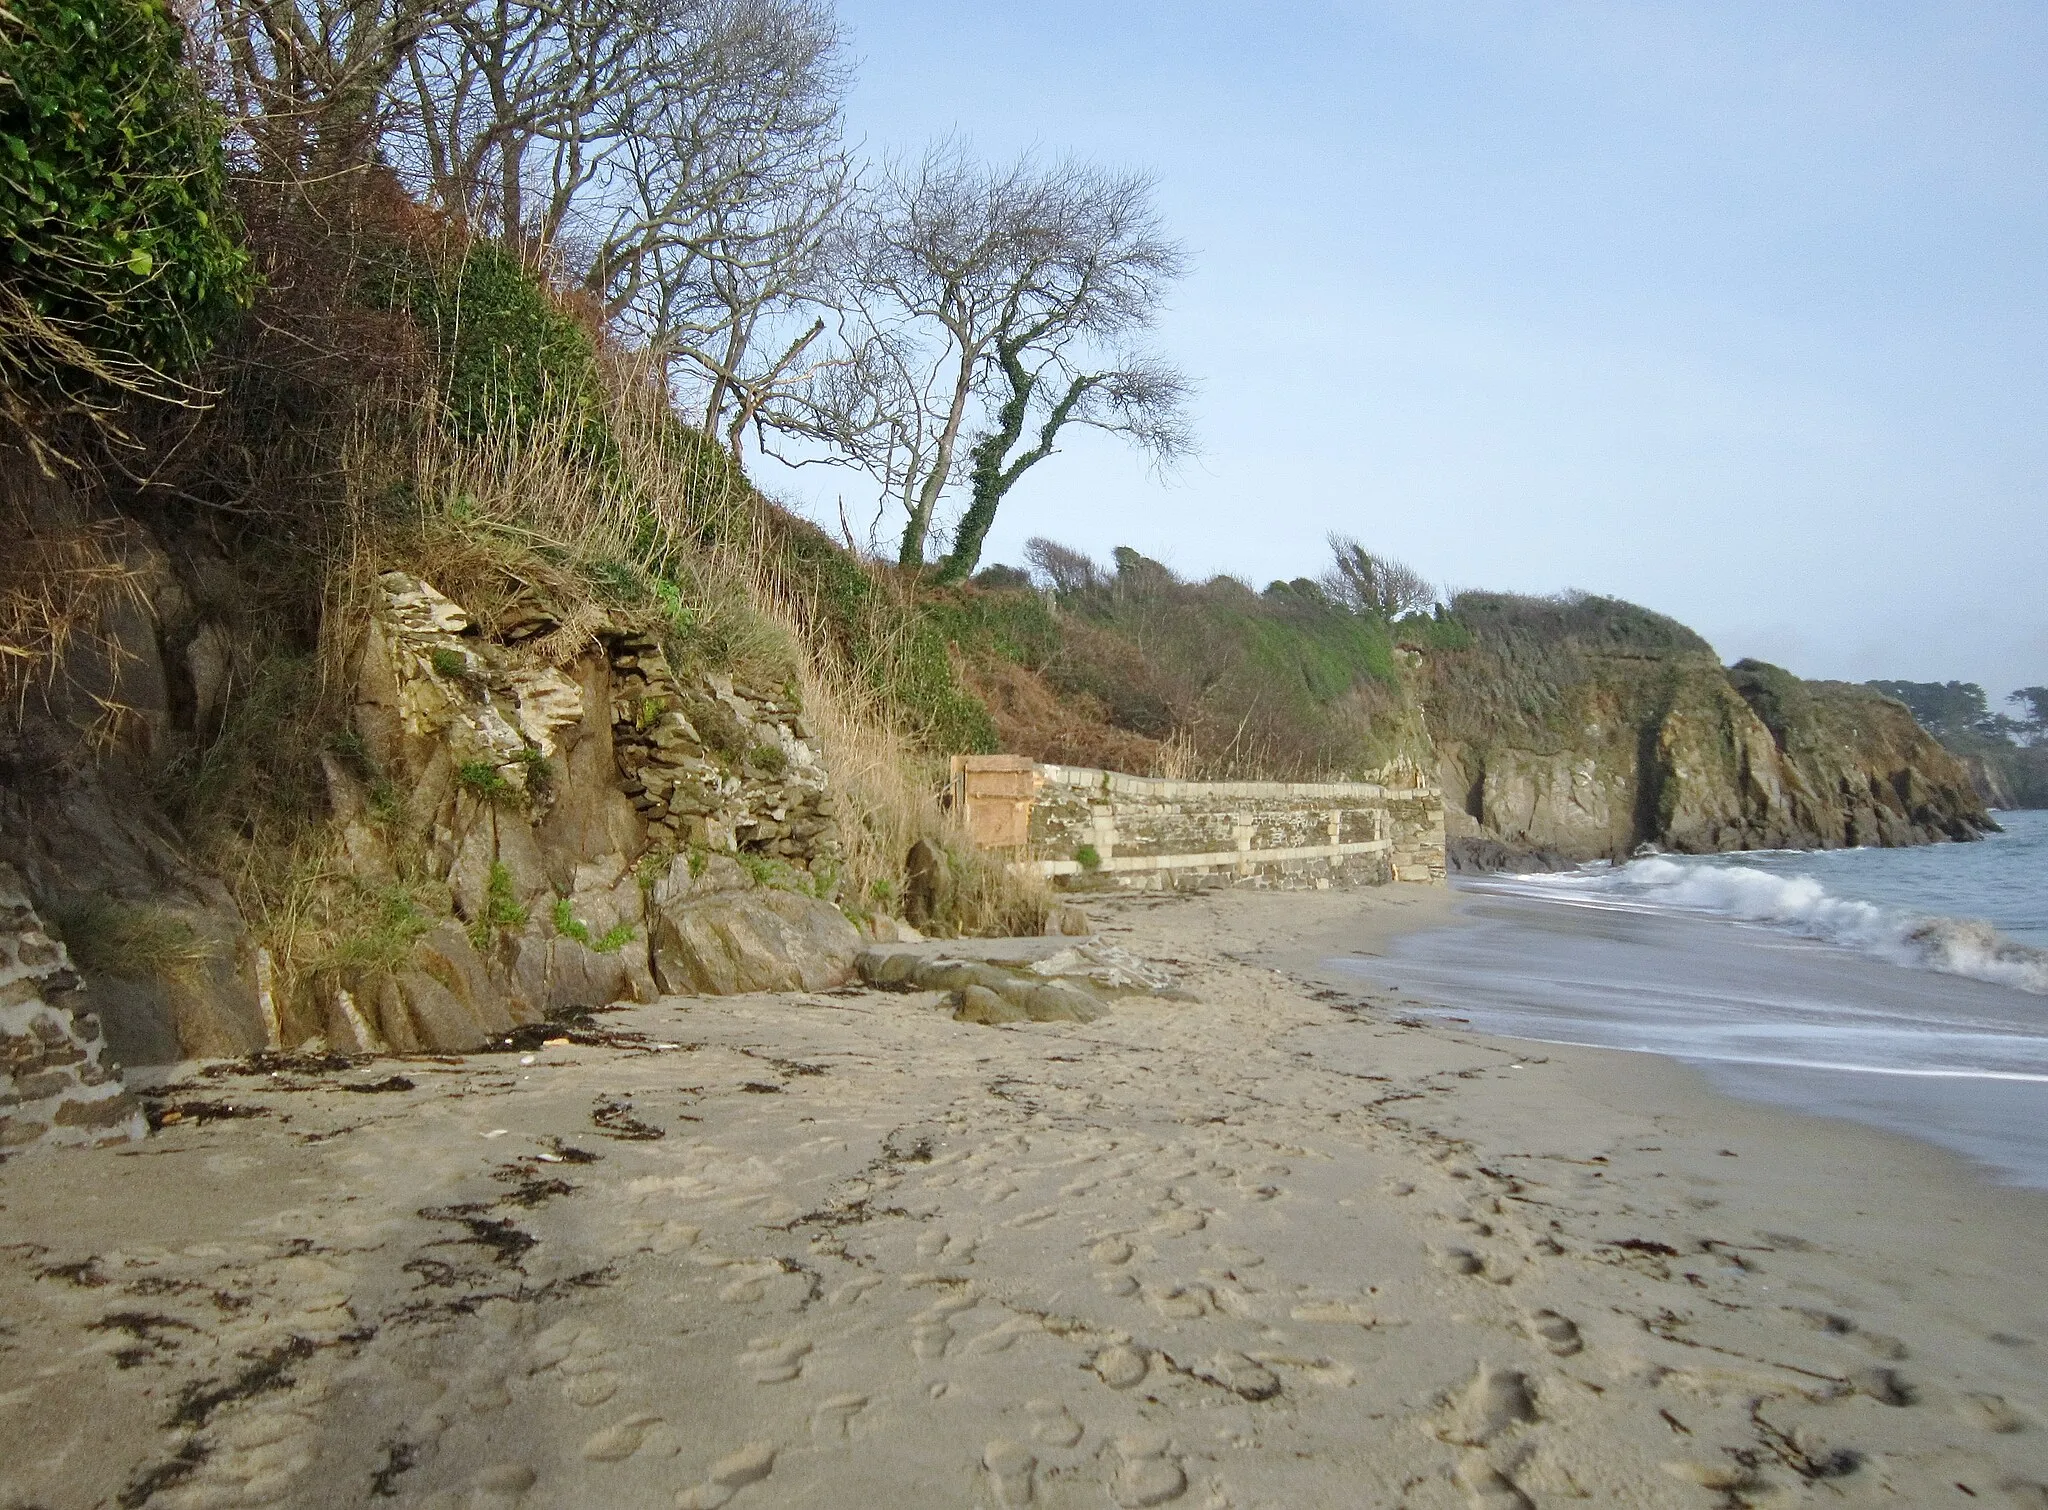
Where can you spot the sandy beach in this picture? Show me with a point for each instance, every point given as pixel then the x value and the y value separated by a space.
pixel 1274 1245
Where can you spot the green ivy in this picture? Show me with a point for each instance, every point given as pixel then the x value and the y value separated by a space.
pixel 115 221
pixel 509 354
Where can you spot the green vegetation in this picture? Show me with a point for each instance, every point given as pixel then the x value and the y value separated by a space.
pixel 508 353
pixel 611 941
pixel 120 252
pixel 449 662
pixel 2010 754
pixel 1088 857
pixel 501 907
pixel 396 917
pixel 1134 668
pixel 482 780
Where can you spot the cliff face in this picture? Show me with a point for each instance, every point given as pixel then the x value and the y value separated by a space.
pixel 1571 731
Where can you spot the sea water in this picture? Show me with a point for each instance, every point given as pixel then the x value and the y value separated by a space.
pixel 1907 988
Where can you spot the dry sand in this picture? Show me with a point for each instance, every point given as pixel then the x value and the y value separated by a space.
pixel 1271 1247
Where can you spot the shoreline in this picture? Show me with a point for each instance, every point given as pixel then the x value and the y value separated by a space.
pixel 1269 1246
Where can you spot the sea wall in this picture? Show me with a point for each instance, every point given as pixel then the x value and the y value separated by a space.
pixel 1082 827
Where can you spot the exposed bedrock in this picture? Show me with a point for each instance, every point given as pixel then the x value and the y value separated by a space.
pixel 1681 753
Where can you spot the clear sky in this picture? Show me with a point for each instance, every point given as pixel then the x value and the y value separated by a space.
pixel 1733 309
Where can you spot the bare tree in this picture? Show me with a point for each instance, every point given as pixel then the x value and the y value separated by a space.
pixel 681 159
pixel 988 309
pixel 307 82
pixel 1065 569
pixel 1377 586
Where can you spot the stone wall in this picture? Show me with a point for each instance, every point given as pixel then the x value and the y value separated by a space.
pixel 1141 831
pixel 55 1086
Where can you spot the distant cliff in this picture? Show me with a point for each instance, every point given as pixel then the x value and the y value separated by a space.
pixel 1584 727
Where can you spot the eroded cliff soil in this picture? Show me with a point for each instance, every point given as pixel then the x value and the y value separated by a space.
pixel 1575 730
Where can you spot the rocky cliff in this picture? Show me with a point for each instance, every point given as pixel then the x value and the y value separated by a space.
pixel 1575 729
pixel 518 823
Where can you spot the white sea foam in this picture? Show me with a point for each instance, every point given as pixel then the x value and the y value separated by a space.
pixel 1801 904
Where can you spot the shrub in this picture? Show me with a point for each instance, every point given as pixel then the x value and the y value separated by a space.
pixel 509 354
pixel 1088 857
pixel 119 249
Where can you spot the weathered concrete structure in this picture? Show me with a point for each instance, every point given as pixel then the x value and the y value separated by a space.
pixel 1081 826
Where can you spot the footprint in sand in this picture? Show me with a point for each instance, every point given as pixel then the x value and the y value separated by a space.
pixel 932 1328
pixel 500 1488
pixel 2025 1494
pixel 1723 1478
pixel 1010 1467
pixel 1120 1366
pixel 998 1339
pixel 1146 1472
pixel 581 1358
pixel 1497 1400
pixel 774 1360
pixel 1555 1332
pixel 1456 1260
pixel 728 1476
pixel 1486 1487
pixel 1052 1423
pixel 1988 1412
pixel 850 1292
pixel 614 1444
pixel 1882 1385
pixel 940 1246
pixel 1241 1376
pixel 1110 1252
pixel 831 1420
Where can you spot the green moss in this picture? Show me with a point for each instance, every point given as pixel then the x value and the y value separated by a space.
pixel 448 662
pixel 768 759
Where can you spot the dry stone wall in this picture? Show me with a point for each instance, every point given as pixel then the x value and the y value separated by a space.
pixel 1081 826
pixel 56 1086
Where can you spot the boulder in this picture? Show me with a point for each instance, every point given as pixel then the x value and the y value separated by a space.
pixel 725 942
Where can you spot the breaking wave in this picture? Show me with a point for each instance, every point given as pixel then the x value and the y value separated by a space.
pixel 1802 905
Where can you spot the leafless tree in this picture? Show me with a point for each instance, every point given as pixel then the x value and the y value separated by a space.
pixel 680 159
pixel 1062 567
pixel 1377 586
pixel 306 82
pixel 988 308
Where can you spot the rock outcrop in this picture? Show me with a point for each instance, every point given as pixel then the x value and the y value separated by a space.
pixel 998 981
pixel 87 741
pixel 56 1086
pixel 1580 730
pixel 604 828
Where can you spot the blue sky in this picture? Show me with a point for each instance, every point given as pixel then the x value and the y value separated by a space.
pixel 1732 309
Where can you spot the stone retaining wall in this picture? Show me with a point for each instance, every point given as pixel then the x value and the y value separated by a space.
pixel 54 1087
pixel 1080 826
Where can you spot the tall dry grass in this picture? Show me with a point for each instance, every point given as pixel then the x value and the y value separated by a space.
pixel 660 530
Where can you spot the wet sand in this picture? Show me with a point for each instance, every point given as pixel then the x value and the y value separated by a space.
pixel 1272 1246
